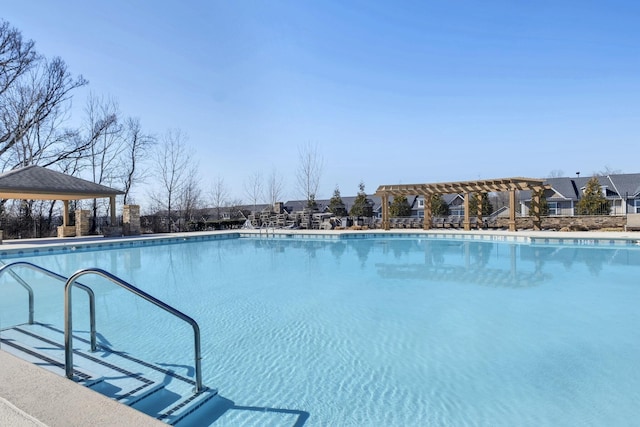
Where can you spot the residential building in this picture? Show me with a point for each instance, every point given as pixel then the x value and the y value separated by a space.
pixel 621 190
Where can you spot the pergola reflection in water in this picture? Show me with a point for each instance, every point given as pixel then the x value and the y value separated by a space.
pixel 469 265
pixel 467 188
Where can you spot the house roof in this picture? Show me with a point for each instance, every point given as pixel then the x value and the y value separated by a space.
pixel 570 188
pixel 38 183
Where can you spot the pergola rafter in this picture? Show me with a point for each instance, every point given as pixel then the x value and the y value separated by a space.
pixel 511 185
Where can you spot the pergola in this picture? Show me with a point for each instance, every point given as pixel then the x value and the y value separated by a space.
pixel 38 183
pixel 511 185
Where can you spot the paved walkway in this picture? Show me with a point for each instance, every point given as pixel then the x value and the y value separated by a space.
pixel 34 397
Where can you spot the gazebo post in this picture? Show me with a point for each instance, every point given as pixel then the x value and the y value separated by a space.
pixel 479 209
pixel 65 213
pixel 112 202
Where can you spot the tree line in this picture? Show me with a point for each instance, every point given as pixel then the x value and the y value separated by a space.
pixel 106 147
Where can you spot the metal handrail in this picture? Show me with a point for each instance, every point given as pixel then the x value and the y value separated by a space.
pixel 24 284
pixel 68 325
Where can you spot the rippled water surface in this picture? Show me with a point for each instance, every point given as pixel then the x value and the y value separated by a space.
pixel 394 332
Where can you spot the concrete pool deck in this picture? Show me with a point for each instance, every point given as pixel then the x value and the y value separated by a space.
pixel 32 396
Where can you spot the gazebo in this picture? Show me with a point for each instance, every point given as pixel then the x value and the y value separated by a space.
pixel 511 185
pixel 38 183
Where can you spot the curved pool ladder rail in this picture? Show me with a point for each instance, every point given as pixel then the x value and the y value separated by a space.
pixel 68 321
pixel 92 298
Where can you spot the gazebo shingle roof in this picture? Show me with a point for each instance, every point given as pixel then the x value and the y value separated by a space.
pixel 36 182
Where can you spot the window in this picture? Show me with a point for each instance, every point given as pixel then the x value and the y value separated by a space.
pixel 421 203
pixel 636 203
pixel 553 208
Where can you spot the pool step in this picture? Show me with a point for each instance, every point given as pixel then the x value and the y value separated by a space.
pixel 156 391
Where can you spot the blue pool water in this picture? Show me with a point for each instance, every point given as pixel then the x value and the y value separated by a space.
pixel 380 331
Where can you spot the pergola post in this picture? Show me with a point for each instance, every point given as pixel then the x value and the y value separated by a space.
pixel 536 195
pixel 512 209
pixel 466 223
pixel 428 215
pixel 385 211
pixel 479 209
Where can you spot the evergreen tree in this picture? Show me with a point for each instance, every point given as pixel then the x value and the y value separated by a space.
pixel 593 201
pixel 544 206
pixel 487 207
pixel 362 206
pixel 438 206
pixel 336 205
pixel 400 207
pixel 311 203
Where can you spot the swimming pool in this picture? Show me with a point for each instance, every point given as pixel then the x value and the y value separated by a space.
pixel 382 331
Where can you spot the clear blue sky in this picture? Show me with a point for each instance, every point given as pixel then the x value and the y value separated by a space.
pixel 391 92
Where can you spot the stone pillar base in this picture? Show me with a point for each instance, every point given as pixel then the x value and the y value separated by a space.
pixel 131 220
pixel 69 231
pixel 83 222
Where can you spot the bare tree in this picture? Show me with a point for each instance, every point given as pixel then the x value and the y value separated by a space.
pixel 172 164
pixel 309 171
pixel 274 187
pixel 33 99
pixel 219 195
pixel 137 148
pixel 556 173
pixel 253 189
pixel 189 197
pixel 16 55
pixel 107 145
pixel 607 171
pixel 32 116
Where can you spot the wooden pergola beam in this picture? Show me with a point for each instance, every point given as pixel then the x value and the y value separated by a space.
pixel 511 185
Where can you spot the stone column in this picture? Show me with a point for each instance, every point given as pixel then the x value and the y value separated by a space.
pixel 131 220
pixel 83 222
pixel 66 230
